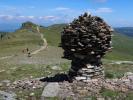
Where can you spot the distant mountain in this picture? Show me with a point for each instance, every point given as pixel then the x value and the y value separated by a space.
pixel 125 30
pixel 28 25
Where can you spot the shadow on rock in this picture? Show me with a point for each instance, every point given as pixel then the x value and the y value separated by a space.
pixel 56 78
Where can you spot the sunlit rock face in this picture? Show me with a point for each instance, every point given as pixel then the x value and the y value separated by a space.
pixel 85 41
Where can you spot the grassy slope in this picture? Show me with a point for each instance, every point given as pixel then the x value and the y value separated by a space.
pixel 17 41
pixel 52 34
pixel 21 65
pixel 123 48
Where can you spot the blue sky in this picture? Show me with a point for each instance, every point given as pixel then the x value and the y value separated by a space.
pixel 117 13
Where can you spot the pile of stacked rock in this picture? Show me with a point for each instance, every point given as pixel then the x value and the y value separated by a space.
pixel 85 41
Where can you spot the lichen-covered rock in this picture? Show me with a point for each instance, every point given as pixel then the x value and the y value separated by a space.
pixel 85 41
pixel 88 36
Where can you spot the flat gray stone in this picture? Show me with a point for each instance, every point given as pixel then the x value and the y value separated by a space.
pixel 100 99
pixel 6 81
pixel 7 96
pixel 55 68
pixel 89 66
pixel 51 90
pixel 128 74
pixel 80 78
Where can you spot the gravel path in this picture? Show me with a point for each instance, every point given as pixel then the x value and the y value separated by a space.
pixel 44 43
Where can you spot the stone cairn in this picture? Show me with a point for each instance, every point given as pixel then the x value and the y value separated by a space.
pixel 85 41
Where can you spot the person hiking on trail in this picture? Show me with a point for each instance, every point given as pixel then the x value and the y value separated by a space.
pixel 29 54
pixel 1 36
pixel 27 49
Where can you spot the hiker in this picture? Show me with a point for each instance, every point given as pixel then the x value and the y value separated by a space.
pixel 1 36
pixel 29 54
pixel 27 49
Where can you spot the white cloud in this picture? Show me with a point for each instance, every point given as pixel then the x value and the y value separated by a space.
pixel 21 16
pixel 30 17
pixel 61 8
pixel 103 10
pixel 6 17
pixel 10 17
pixel 100 11
pixel 52 18
pixel 24 17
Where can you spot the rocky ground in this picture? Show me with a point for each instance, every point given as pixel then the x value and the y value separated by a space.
pixel 75 90
pixel 93 87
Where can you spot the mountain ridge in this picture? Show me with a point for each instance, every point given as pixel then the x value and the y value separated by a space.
pixel 125 30
pixel 123 44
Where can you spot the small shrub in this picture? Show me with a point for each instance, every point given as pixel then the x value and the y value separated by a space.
pixel 109 75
